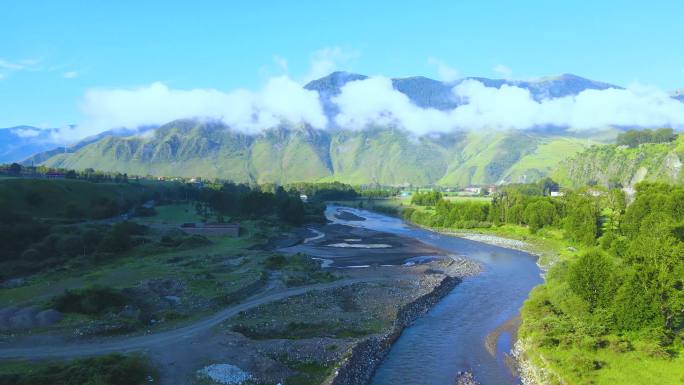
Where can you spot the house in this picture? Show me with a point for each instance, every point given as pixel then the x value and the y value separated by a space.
pixel 472 190
pixel 212 229
pixel 555 194
pixel 304 198
pixel 55 175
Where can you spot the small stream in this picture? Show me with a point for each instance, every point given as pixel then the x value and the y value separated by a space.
pixel 451 336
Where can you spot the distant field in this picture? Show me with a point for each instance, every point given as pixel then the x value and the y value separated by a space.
pixel 49 198
pixel 177 213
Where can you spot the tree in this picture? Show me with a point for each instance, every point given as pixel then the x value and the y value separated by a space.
pixel 15 169
pixel 592 277
pixel 428 198
pixel 581 220
pixel 539 214
pixel 291 211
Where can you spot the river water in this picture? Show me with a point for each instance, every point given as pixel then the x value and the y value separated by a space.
pixel 450 337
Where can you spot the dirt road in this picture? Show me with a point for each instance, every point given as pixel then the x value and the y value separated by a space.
pixel 166 338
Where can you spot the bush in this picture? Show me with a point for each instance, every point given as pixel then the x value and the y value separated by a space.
pixel 118 239
pixel 89 301
pixel 275 262
pixel 114 369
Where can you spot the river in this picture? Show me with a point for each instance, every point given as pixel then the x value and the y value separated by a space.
pixel 450 337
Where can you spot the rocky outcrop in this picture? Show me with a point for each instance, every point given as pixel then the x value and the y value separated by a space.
pixel 465 378
pixel 529 372
pixel 13 318
pixel 365 357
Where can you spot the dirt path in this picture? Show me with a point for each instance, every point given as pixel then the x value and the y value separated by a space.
pixel 166 338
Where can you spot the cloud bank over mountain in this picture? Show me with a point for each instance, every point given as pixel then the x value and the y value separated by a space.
pixel 155 104
pixel 375 101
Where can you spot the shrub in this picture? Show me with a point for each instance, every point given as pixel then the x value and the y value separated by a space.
pixel 275 262
pixel 90 301
pixel 114 369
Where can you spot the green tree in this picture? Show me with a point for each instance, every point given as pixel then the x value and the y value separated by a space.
pixel 539 214
pixel 581 220
pixel 592 277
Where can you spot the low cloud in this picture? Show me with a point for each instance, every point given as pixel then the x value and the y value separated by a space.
pixel 444 71
pixel 26 132
pixel 281 99
pixel 373 102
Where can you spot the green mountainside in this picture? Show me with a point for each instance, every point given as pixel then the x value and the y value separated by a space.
pixel 621 165
pixel 387 156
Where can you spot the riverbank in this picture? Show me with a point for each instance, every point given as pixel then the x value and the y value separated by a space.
pixel 550 248
pixel 365 357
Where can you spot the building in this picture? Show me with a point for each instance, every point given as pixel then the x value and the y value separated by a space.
pixel 55 175
pixel 472 190
pixel 304 198
pixel 212 229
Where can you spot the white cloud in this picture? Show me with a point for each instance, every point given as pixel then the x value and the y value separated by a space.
pixel 155 104
pixel 370 102
pixel 70 74
pixel 503 71
pixel 26 132
pixel 373 101
pixel 2 76
pixel 13 66
pixel 445 72
pixel 21 65
pixel 327 60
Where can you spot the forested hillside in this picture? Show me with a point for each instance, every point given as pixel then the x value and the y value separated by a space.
pixel 637 156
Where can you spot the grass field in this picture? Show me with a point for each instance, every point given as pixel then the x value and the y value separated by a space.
pixel 177 213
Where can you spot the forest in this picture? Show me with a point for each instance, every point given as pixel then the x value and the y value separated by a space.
pixel 45 223
pixel 623 292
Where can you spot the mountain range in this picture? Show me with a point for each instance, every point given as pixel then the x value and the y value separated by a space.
pixel 429 93
pixel 377 155
pixel 18 143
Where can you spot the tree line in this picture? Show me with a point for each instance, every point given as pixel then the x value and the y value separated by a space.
pixel 634 138
pixel 627 285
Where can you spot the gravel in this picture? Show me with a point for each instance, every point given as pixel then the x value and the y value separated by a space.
pixel 225 374
pixel 496 241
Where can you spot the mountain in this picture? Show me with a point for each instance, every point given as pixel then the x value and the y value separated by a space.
pixel 18 143
pixel 40 157
pixel 426 92
pixel 383 155
pixel 285 154
pixel 611 164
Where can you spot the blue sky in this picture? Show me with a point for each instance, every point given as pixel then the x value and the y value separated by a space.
pixel 52 52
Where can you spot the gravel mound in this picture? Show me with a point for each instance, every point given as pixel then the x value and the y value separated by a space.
pixel 225 374
pixel 465 378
